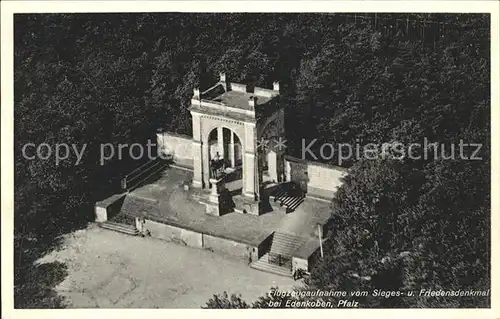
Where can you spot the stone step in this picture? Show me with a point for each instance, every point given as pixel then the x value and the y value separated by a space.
pixel 263 265
pixel 284 236
pixel 119 225
pixel 285 248
pixel 122 228
pixel 279 193
pixel 282 196
pixel 279 236
pixel 285 244
pixel 291 202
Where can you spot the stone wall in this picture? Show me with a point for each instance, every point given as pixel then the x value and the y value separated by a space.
pixel 296 170
pixel 265 245
pixel 106 209
pixel 324 180
pixel 299 263
pixel 199 240
pixel 313 259
pixel 172 233
pixel 230 247
pixel 180 147
pixel 316 179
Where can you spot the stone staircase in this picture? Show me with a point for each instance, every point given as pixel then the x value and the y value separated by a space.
pixel 279 258
pixel 285 244
pixel 121 228
pixel 287 196
pixel 263 265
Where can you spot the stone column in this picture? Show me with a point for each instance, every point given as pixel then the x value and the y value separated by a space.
pixel 197 164
pixel 281 168
pixel 249 161
pixel 232 151
pixel 205 164
pixel 288 171
pixel 220 141
pixel 272 166
pixel 249 175
pixel 197 151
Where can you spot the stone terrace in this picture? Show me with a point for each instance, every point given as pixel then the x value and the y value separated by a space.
pixel 165 200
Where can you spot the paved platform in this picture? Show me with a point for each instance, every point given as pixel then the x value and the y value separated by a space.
pixel 165 200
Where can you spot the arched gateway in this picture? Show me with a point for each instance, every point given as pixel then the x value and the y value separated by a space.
pixel 230 132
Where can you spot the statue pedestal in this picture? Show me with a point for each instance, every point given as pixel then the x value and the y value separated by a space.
pixel 246 205
pixel 213 207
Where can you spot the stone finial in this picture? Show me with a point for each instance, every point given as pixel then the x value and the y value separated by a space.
pixel 222 77
pixel 252 101
pixel 196 93
pixel 276 86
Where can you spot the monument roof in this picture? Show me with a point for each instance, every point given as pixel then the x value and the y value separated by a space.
pixel 239 99
pixel 236 101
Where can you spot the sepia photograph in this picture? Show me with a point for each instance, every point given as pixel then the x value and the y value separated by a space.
pixel 234 160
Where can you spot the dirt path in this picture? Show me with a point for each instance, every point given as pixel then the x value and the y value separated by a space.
pixel 111 270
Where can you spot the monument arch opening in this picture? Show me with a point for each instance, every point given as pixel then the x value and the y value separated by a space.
pixel 228 118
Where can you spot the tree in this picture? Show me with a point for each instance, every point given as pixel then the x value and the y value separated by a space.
pixel 225 302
